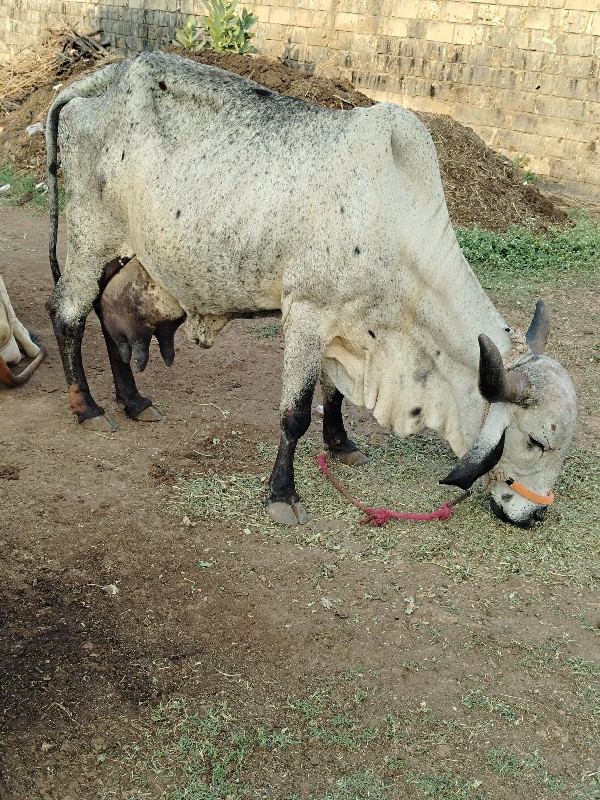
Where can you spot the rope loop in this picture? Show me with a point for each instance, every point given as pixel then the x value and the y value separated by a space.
pixel 378 517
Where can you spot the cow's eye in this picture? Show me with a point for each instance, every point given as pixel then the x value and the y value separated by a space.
pixel 534 443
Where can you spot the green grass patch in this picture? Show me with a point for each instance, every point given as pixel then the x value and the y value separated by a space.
pixel 443 787
pixel 499 259
pixel 26 190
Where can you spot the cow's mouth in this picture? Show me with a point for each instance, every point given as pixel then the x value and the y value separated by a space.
pixel 538 515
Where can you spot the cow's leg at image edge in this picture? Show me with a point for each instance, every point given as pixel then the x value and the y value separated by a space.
pixel 334 433
pixel 303 352
pixel 68 307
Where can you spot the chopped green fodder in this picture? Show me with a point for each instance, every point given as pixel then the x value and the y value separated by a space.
pixel 402 474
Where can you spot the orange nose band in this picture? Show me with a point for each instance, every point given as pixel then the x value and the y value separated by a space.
pixel 540 499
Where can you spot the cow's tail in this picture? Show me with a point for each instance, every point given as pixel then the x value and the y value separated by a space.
pixel 91 85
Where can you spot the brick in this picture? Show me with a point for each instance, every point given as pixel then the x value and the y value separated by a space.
pixel 506 37
pixel 393 26
pixel 363 43
pixel 439 32
pixel 578 45
pixel 572 21
pixel 407 9
pixel 538 18
pixel 279 16
pixel 579 67
pixel 594 25
pixel 458 12
pixel 592 113
pixel 468 34
pixel 581 131
pixel 542 40
pixel 490 14
pixel 582 5
pixel 416 28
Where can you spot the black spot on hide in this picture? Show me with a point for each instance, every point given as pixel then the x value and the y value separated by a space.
pixel 371 334
pixel 438 353
pixel 177 214
pixel 262 93
pixel 162 85
pixel 421 375
pixel 53 169
pixel 357 250
pixel 416 411
pixel 342 209
pixel 123 155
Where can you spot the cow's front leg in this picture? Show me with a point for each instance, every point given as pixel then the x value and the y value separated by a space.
pixel 301 367
pixel 135 404
pixel 335 437
pixel 68 313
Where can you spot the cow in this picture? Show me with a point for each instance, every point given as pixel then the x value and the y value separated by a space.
pixel 238 200
pixel 14 336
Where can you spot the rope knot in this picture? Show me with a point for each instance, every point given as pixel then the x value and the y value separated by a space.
pixel 377 517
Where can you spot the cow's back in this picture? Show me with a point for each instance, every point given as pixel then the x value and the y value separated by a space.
pixel 232 195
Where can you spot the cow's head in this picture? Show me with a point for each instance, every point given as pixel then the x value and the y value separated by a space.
pixel 527 431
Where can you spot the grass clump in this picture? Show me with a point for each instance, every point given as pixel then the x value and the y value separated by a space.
pixel 26 190
pixel 401 474
pixel 519 250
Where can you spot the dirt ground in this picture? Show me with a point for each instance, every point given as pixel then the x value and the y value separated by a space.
pixel 112 605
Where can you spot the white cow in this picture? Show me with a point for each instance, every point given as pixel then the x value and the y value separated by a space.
pixel 12 334
pixel 238 200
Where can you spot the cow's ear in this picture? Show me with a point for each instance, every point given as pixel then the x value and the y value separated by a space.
pixel 475 463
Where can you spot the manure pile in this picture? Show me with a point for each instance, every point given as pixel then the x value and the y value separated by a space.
pixel 482 187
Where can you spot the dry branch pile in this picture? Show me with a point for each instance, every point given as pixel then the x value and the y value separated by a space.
pixel 56 55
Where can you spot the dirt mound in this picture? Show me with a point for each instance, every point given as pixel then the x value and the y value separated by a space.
pixel 481 186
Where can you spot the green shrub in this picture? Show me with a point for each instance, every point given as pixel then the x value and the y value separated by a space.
pixel 222 29
pixel 520 250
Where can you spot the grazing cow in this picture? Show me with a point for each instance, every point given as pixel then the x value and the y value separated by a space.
pixel 12 334
pixel 238 200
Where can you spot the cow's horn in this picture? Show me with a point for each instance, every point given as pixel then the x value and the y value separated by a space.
pixel 496 385
pixel 537 335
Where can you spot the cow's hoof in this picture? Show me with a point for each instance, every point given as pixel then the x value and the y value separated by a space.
pixel 100 424
pixel 284 514
pixel 353 459
pixel 149 414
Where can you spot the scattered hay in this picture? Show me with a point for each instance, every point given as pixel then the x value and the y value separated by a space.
pixel 56 56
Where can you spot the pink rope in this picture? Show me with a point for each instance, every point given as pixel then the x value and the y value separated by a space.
pixel 381 516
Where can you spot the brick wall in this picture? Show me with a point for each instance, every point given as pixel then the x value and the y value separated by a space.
pixel 524 74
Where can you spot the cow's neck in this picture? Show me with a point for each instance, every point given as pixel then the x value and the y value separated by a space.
pixel 421 369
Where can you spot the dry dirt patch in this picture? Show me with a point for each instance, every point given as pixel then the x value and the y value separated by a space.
pixel 395 668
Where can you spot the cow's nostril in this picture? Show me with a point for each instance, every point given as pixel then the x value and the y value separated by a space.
pixel 501 514
pixel 540 514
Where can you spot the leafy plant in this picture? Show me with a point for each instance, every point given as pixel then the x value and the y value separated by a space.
pixel 222 29
pixel 189 36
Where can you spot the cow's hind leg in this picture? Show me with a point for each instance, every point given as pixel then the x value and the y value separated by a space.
pixel 301 367
pixel 334 433
pixel 135 404
pixel 68 307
